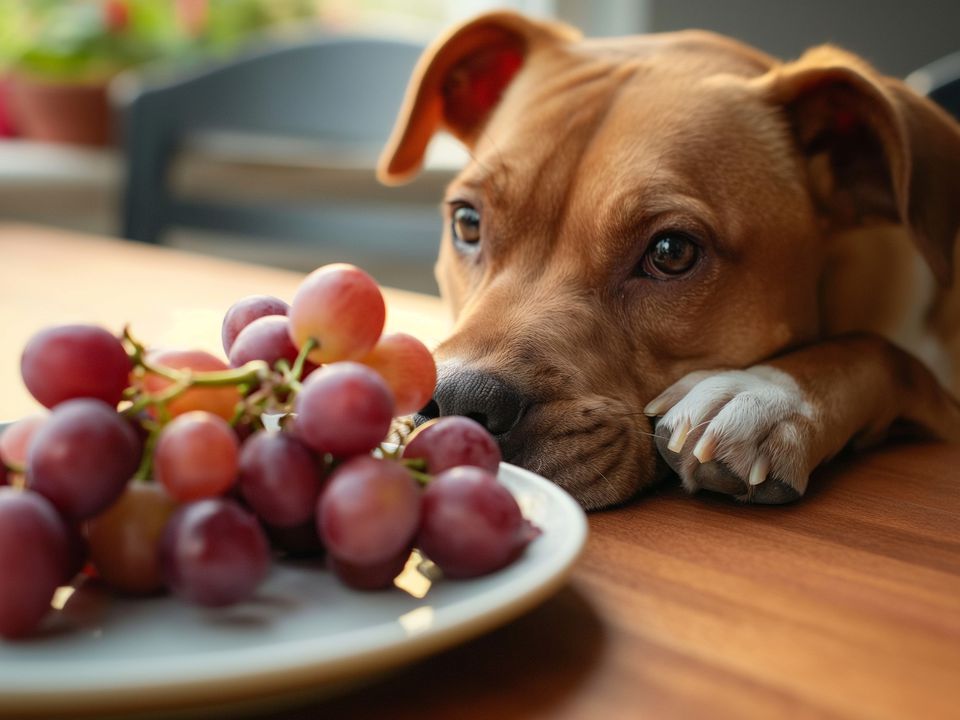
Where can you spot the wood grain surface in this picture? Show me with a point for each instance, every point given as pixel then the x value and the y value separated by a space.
pixel 845 604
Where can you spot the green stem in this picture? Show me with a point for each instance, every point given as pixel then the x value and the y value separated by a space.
pixel 421 477
pixel 297 370
pixel 16 468
pixel 146 462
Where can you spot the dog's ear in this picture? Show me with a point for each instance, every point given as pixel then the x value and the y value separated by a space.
pixel 875 149
pixel 458 81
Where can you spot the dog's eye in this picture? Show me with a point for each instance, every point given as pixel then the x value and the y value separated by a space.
pixel 465 226
pixel 669 255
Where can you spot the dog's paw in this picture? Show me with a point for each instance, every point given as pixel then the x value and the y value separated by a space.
pixel 744 433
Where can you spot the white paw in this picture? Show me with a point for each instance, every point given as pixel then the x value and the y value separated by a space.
pixel 743 432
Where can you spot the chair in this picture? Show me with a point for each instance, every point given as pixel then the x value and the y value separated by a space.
pixel 331 100
pixel 940 81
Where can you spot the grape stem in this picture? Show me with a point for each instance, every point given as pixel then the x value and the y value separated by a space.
pixel 297 370
pixel 417 468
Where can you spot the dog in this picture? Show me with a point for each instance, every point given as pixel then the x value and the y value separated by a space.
pixel 676 246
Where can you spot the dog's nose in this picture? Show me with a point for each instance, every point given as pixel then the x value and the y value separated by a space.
pixel 479 395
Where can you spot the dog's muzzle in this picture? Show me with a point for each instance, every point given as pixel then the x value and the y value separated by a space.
pixel 477 394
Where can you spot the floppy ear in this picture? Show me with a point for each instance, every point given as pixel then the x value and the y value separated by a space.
pixel 458 81
pixel 876 151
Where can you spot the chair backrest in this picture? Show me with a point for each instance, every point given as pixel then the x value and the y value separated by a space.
pixel 340 91
pixel 940 81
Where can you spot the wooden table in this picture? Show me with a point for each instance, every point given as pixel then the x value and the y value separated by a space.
pixel 846 604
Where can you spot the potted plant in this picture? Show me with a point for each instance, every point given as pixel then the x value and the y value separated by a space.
pixel 62 54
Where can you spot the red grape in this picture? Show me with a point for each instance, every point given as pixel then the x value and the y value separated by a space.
pixel 220 401
pixel 82 457
pixel 125 538
pixel 267 339
pixel 33 552
pixel 245 311
pixel 340 307
pixel 369 511
pixel 452 441
pixel 471 523
pixel 279 478
pixel 344 409
pixel 213 553
pixel 196 456
pixel 369 577
pixel 74 361
pixel 16 439
pixel 408 367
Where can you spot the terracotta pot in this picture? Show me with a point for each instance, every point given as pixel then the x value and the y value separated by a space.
pixel 60 112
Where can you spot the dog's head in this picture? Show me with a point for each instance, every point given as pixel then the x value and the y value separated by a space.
pixel 640 208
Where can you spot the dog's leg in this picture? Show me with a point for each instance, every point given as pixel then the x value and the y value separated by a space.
pixel 758 433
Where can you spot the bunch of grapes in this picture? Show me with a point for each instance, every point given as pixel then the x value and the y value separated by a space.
pixel 160 470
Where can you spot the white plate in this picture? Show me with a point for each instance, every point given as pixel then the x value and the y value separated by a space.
pixel 304 633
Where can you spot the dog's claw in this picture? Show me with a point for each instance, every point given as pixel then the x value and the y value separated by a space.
pixel 706 448
pixel 758 471
pixel 656 407
pixel 679 436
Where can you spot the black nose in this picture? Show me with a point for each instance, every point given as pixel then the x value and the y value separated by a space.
pixel 482 396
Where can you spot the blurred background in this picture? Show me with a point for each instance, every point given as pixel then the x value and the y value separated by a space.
pixel 250 128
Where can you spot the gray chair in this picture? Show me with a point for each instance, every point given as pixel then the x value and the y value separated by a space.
pixel 940 81
pixel 333 93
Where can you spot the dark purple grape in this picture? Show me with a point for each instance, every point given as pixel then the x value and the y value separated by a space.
pixel 369 510
pixel 299 541
pixel 213 553
pixel 471 523
pixel 34 548
pixel 245 311
pixel 344 409
pixel 82 457
pixel 453 441
pixel 369 577
pixel 279 478
pixel 75 361
pixel 4 474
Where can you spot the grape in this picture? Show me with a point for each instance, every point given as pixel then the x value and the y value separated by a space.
pixel 369 577
pixel 33 549
pixel 408 367
pixel 4 474
pixel 267 339
pixel 196 456
pixel 78 549
pixel 245 311
pixel 73 361
pixel 344 409
pixel 451 441
pixel 82 457
pixel 298 541
pixel 16 439
pixel 340 307
pixel 279 478
pixel 125 539
pixel 213 553
pixel 471 524
pixel 220 401
pixel 368 511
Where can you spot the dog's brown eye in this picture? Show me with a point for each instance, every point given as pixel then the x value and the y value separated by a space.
pixel 465 226
pixel 670 254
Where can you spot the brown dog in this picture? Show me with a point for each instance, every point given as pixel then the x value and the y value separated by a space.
pixel 759 253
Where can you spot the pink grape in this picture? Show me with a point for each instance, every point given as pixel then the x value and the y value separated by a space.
pixel 408 367
pixel 452 441
pixel 340 307
pixel 344 409
pixel 82 457
pixel 279 478
pixel 33 560
pixel 196 456
pixel 75 361
pixel 471 523
pixel 368 511
pixel 245 311
pixel 213 553
pixel 369 577
pixel 267 339
pixel 15 440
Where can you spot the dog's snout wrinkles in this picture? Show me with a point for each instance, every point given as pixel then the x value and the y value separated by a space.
pixel 479 395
